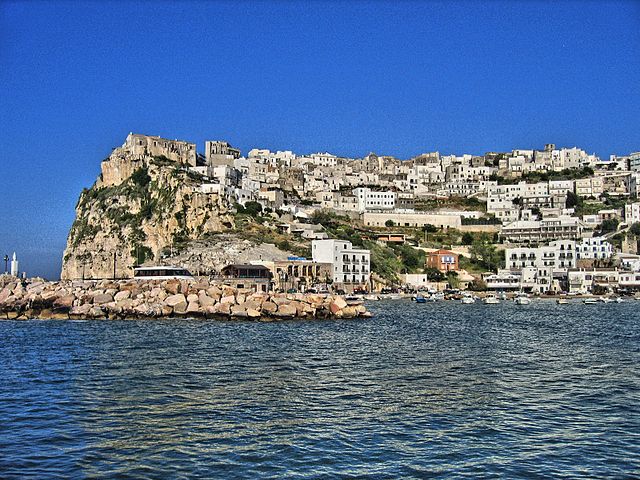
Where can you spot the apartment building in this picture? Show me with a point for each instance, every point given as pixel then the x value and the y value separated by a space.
pixel 548 229
pixel 351 267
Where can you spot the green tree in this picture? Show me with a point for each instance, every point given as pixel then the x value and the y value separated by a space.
pixel 389 223
pixel 453 279
pixel 467 238
pixel 573 201
pixel 253 208
pixel 435 275
pixel 609 225
pixel 635 229
pixel 484 253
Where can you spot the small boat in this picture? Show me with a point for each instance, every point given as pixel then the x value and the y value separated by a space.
pixel 619 300
pixel 372 298
pixel 420 299
pixel 491 300
pixel 562 301
pixel 468 300
pixel 522 299
pixel 605 300
pixel 353 300
pixel 589 301
pixel 394 296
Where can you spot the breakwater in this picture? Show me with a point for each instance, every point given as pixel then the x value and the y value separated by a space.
pixel 106 299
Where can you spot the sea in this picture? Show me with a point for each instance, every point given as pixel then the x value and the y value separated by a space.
pixel 436 390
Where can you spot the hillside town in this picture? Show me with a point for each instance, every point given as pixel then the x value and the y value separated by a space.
pixel 542 221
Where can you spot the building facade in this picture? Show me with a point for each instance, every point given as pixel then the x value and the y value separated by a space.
pixel 351 267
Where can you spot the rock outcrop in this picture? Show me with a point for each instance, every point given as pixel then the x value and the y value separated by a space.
pixel 140 208
pixel 107 299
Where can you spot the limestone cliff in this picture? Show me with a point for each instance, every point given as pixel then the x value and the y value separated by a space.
pixel 140 208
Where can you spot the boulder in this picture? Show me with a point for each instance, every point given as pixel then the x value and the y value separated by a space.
pixel 81 310
pixel 172 286
pixel 269 307
pixel 192 297
pixel 176 299
pixel 96 312
pixel 285 310
pixel 349 312
pixel 252 313
pixel 65 301
pixel 122 295
pixel 193 306
pixel 180 307
pixel 340 302
pixel 230 299
pixel 213 292
pixel 334 308
pixel 102 298
pixel 205 300
pixel 238 311
pixel 223 308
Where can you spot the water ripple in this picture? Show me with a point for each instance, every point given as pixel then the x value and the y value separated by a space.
pixel 441 390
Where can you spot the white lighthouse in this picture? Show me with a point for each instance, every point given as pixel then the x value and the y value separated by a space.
pixel 14 265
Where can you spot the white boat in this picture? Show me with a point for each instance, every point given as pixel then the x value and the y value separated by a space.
pixel 619 300
pixel 562 301
pixel 605 300
pixel 161 273
pixel 491 300
pixel 589 301
pixel 468 299
pixel 522 299
pixel 372 298
pixel 394 296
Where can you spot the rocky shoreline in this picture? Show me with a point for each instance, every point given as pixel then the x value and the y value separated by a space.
pixel 134 299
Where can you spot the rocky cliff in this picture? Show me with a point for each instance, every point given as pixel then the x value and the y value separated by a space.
pixel 140 209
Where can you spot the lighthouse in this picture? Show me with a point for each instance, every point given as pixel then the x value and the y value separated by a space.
pixel 14 265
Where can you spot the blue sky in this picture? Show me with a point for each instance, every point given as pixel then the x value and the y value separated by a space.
pixel 397 78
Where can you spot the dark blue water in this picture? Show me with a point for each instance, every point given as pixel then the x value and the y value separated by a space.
pixel 436 390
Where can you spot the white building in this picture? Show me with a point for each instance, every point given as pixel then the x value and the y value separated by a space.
pixel 632 213
pixel 538 266
pixel 371 200
pixel 351 266
pixel 594 248
pixel 543 230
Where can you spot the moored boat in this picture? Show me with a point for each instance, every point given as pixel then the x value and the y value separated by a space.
pixel 491 300
pixel 522 299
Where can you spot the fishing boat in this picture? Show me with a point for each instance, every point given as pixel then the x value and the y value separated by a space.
pixel 522 299
pixel 562 301
pixel 372 298
pixel 353 300
pixel 605 300
pixel 491 300
pixel 468 299
pixel 420 299
pixel 589 301
pixel 394 296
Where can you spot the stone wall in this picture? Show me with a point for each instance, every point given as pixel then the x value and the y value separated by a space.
pixel 106 299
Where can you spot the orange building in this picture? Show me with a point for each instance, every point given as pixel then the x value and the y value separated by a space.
pixel 443 260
